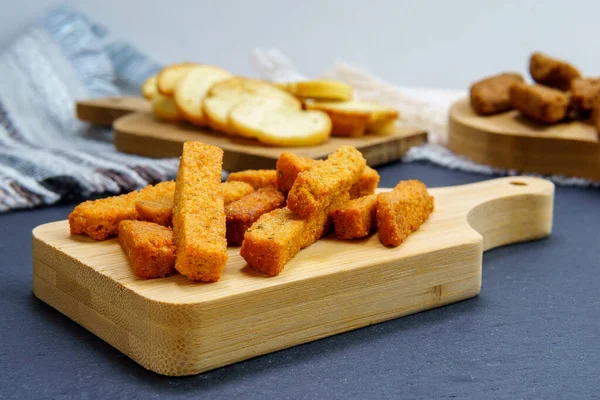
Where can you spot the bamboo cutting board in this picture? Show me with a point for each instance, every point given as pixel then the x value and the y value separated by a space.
pixel 176 327
pixel 510 141
pixel 137 131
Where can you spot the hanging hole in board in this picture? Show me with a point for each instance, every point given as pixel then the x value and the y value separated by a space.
pixel 518 183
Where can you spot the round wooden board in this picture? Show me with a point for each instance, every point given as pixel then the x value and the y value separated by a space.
pixel 510 141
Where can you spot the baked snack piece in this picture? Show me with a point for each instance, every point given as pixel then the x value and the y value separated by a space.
pixel 225 95
pixel 241 214
pixel 584 92
pixel 257 178
pixel 289 165
pixel 199 213
pixel 167 78
pixel 165 108
pixel 355 219
pixel 149 87
pixel 276 124
pixel 402 211
pixel 192 87
pixel 319 89
pixel 354 118
pixel 277 236
pixel 551 72
pixel 159 209
pixel 315 188
pixel 99 219
pixel 492 95
pixel 149 247
pixel 539 102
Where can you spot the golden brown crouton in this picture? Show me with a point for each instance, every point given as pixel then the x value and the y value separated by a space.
pixel 99 219
pixel 257 178
pixel 149 247
pixel 356 218
pixel 315 188
pixel 492 95
pixel 241 214
pixel 199 213
pixel 540 103
pixel 402 211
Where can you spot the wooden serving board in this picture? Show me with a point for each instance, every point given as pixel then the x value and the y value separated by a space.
pixel 137 131
pixel 177 327
pixel 511 141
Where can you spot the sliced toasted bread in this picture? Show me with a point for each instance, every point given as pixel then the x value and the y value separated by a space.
pixel 225 95
pixel 165 108
pixel 167 78
pixel 193 87
pixel 354 118
pixel 278 125
pixel 149 87
pixel 322 90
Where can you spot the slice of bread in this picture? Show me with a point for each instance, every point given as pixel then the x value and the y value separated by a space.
pixel 322 90
pixel 168 77
pixel 149 87
pixel 165 108
pixel 354 118
pixel 225 95
pixel 193 87
pixel 278 125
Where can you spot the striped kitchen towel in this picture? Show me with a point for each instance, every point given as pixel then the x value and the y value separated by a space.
pixel 46 155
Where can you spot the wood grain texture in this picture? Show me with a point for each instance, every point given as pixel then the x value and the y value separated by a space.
pixel 510 141
pixel 177 327
pixel 143 134
pixel 104 111
pixel 137 131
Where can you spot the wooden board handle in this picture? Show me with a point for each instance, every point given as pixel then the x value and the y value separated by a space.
pixel 104 111
pixel 505 210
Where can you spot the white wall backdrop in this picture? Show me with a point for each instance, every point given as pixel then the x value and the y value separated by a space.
pixel 427 43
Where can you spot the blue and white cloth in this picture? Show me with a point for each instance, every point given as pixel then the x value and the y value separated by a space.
pixel 46 154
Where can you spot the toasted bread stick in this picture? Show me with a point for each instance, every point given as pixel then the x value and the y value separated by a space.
pixel 289 165
pixel 492 94
pixel 314 189
pixel 551 72
pixel 356 218
pixel 241 214
pixel 160 208
pixel 539 102
pixel 402 211
pixel 99 219
pixel 257 178
pixel 149 247
pixel 199 213
pixel 276 237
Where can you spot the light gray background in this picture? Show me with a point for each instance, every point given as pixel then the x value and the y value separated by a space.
pixel 438 44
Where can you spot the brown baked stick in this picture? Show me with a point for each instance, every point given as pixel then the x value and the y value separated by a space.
pixel 99 219
pixel 552 72
pixel 149 247
pixel 355 219
pixel 199 213
pixel 257 178
pixel 276 237
pixel 289 165
pixel 584 92
pixel 241 214
pixel 402 211
pixel 159 209
pixel 540 103
pixel 492 95
pixel 315 188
